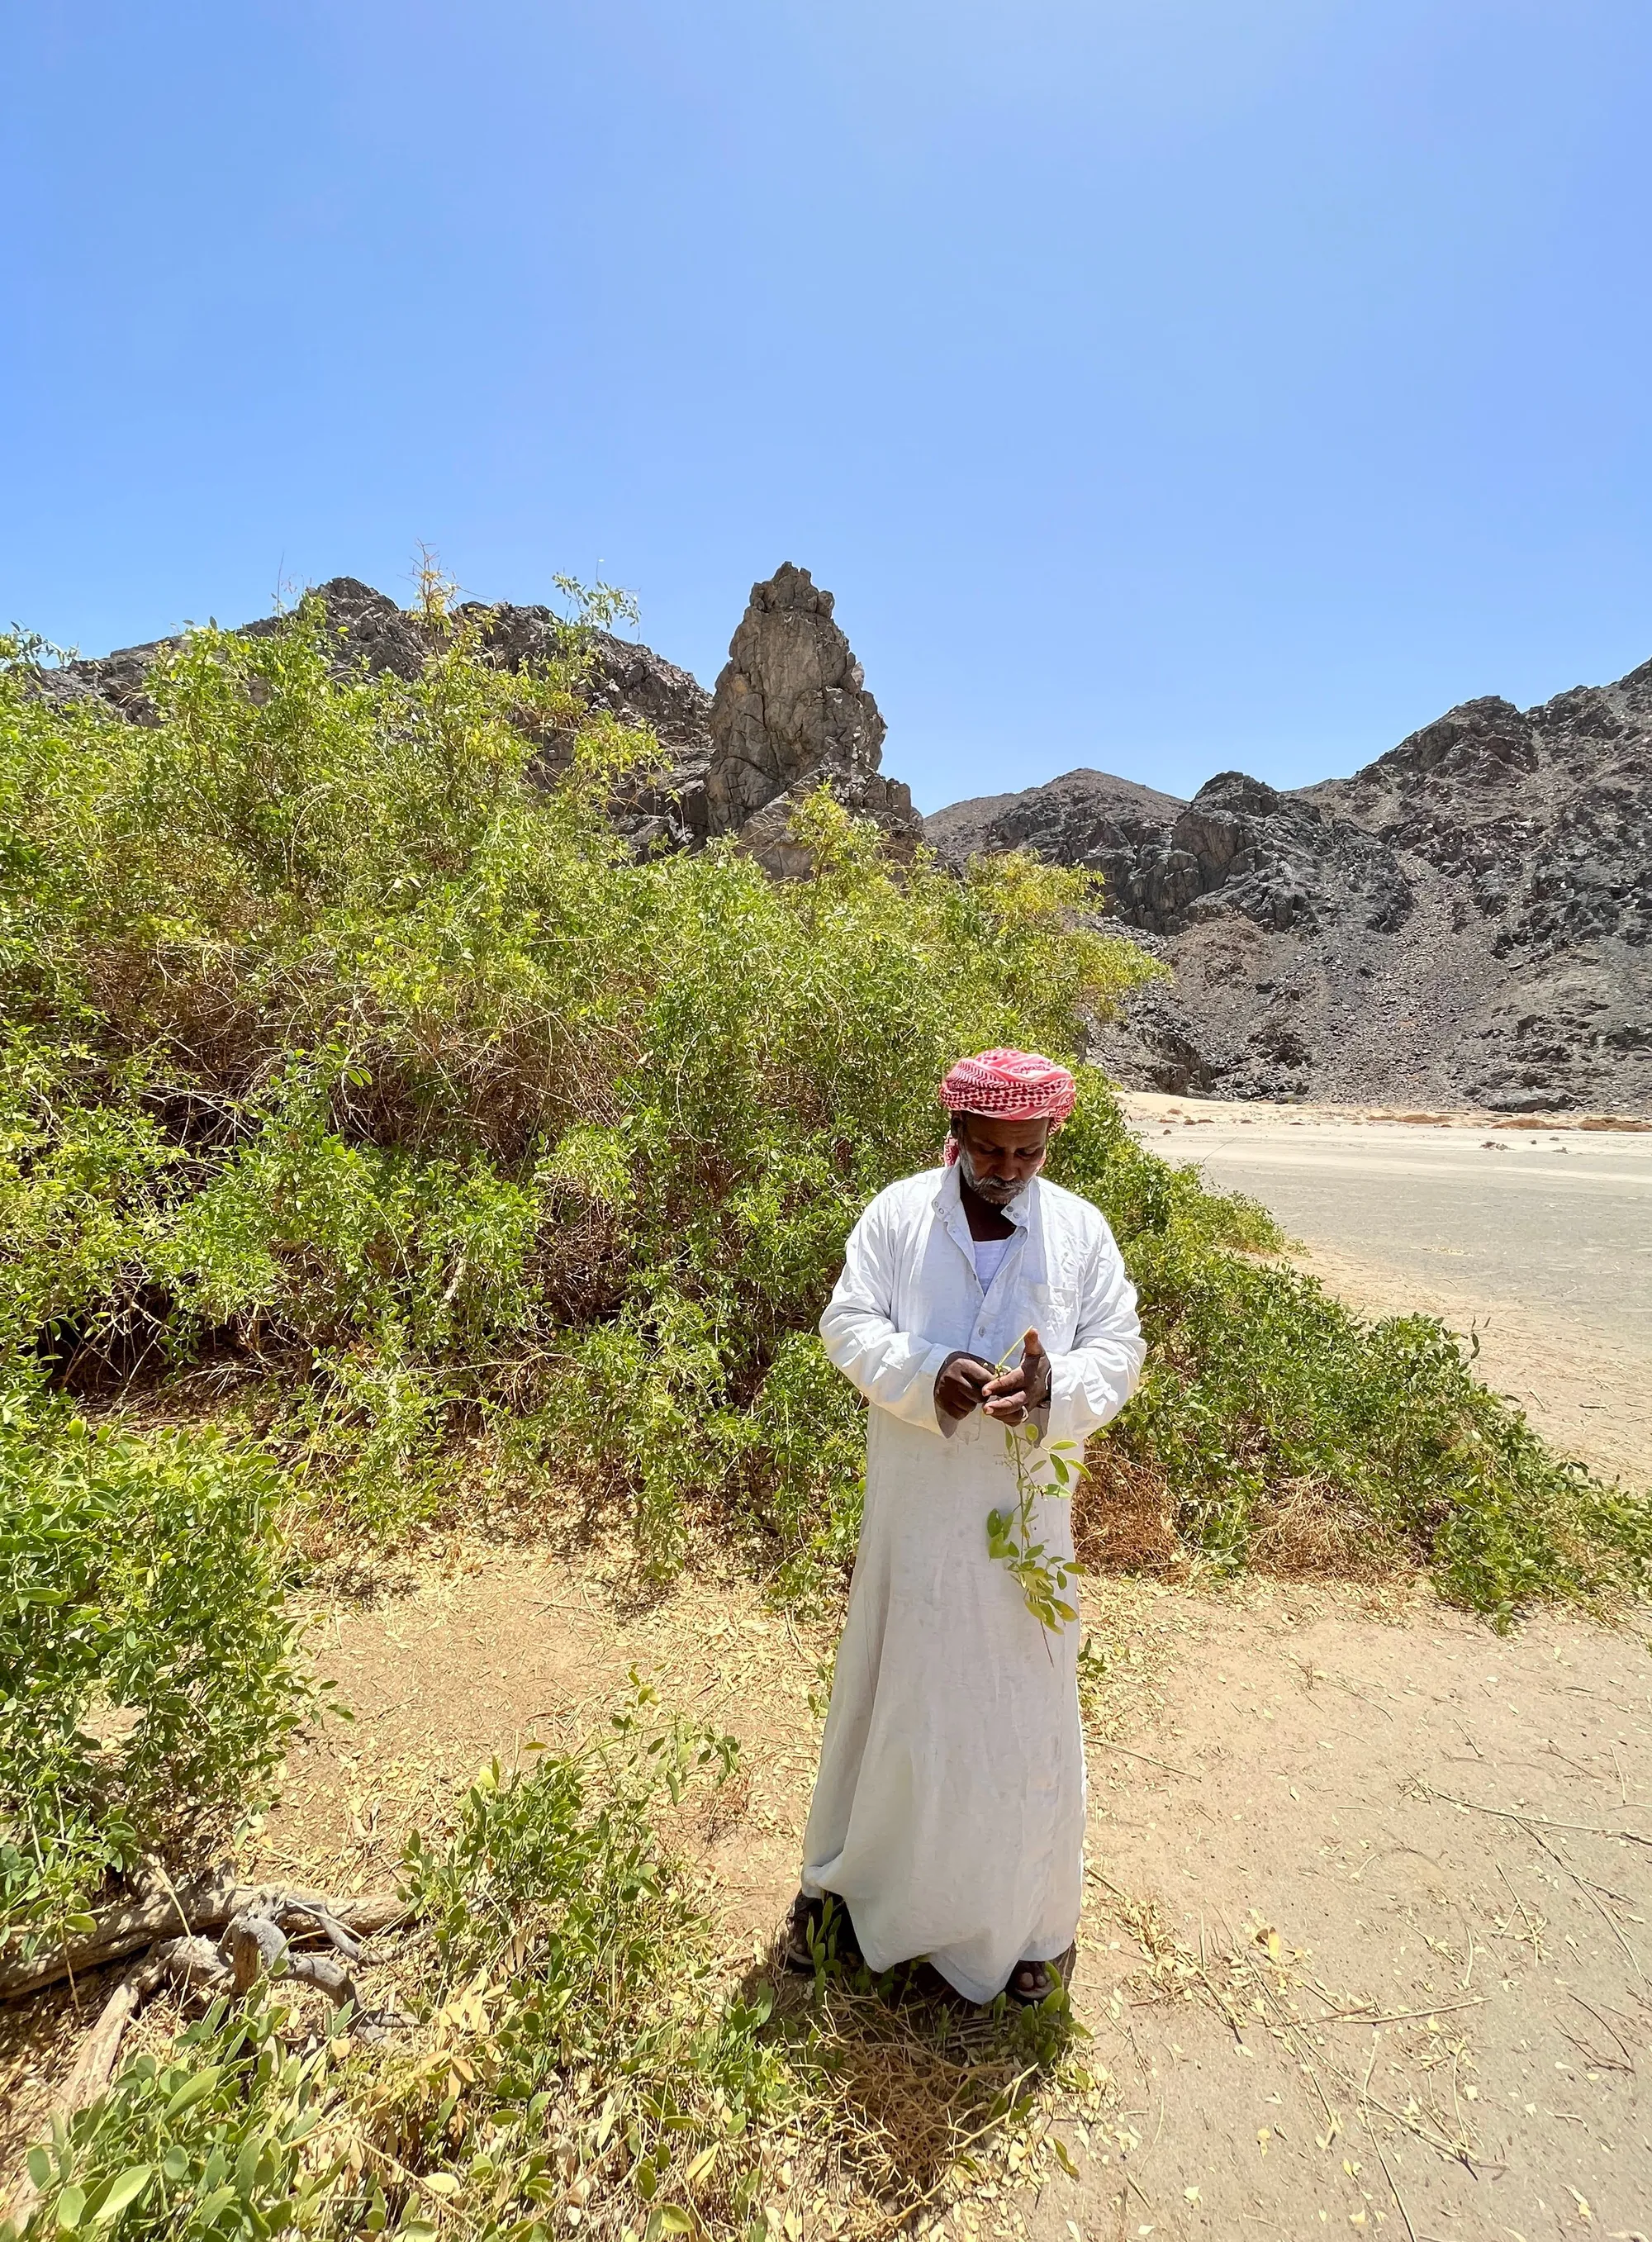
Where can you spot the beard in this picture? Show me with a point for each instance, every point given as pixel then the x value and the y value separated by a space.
pixel 995 1194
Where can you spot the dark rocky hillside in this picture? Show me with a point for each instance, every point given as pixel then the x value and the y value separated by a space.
pixel 1467 921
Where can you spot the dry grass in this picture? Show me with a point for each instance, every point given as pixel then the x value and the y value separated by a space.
pixel 1306 1531
pixel 924 2103
pixel 1125 1522
pixel 1123 1515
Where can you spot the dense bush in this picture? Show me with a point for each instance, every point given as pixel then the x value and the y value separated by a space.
pixel 338 1053
pixel 215 2140
pixel 145 1669
pixel 350 1079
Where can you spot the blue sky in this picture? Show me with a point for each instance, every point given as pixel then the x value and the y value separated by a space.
pixel 1161 384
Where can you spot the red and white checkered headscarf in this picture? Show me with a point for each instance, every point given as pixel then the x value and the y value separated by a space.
pixel 1009 1085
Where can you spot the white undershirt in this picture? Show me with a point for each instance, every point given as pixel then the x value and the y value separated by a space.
pixel 989 1257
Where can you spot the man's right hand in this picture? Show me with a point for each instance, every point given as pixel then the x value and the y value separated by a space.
pixel 959 1384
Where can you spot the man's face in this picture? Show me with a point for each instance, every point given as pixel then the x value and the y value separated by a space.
pixel 998 1159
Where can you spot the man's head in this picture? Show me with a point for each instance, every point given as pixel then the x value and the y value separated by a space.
pixel 1004 1107
pixel 998 1159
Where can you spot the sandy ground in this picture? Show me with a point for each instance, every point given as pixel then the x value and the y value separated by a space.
pixel 1433 1850
pixel 1538 1240
pixel 1368 1889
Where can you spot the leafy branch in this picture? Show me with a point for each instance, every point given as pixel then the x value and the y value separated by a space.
pixel 1043 1580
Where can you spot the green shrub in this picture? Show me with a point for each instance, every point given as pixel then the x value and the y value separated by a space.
pixel 146 1671
pixel 430 1099
pixel 579 1966
pixel 569 2028
pixel 346 1066
pixel 218 2140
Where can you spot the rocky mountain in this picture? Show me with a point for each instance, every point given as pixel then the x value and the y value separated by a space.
pixel 790 712
pixel 1467 921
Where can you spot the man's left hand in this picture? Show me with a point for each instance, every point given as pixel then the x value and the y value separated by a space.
pixel 1013 1394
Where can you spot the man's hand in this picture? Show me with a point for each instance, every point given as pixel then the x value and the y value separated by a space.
pixel 1012 1394
pixel 960 1383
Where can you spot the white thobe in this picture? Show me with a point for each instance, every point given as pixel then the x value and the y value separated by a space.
pixel 948 1813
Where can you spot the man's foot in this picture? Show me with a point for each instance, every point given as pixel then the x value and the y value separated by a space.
pixel 1033 1982
pixel 818 1929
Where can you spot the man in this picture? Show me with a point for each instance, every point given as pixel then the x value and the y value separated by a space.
pixel 948 1813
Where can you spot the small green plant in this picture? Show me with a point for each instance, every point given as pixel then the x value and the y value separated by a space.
pixel 1043 1580
pixel 577 2056
pixel 224 2136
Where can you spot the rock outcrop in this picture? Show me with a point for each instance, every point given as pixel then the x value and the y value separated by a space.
pixel 791 712
pixel 1467 921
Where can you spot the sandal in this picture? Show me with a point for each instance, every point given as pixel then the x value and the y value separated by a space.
pixel 818 1931
pixel 1032 1983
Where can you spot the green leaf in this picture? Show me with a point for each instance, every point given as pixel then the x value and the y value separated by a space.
pixel 123 2191
pixel 193 2090
pixel 71 2204
pixel 246 2165
pixel 40 2168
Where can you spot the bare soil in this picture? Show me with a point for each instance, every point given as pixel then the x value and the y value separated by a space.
pixel 487 1653
pixel 1394 1909
pixel 1430 1849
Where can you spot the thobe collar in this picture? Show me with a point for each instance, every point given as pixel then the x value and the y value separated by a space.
pixel 1022 1211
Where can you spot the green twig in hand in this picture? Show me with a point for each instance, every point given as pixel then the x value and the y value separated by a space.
pixel 1044 1579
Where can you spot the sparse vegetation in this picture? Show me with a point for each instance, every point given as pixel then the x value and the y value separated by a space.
pixel 576 2055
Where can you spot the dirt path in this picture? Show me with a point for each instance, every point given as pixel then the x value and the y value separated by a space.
pixel 1538 1240
pixel 1283 1786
